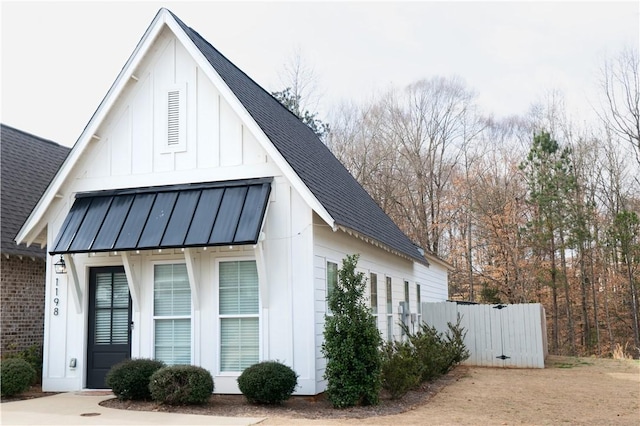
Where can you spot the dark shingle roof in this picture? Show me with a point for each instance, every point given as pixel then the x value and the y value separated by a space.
pixel 28 164
pixel 325 176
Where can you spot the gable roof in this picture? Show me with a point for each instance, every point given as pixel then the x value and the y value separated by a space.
pixel 326 177
pixel 28 163
pixel 323 181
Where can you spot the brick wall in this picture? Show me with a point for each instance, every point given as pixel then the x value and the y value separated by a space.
pixel 22 294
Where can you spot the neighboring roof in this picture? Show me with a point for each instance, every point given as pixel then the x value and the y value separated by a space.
pixel 326 177
pixel 191 215
pixel 28 163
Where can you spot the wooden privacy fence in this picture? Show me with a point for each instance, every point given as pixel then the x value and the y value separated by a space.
pixel 497 335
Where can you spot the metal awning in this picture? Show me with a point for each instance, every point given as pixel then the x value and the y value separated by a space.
pixel 191 215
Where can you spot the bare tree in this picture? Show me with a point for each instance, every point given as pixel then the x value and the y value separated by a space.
pixel 621 88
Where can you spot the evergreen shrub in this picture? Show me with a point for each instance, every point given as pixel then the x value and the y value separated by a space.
pixel 351 342
pixel 268 382
pixel 400 368
pixel 181 385
pixel 129 379
pixel 16 376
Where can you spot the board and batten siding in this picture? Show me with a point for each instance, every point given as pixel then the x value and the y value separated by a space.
pixel 496 335
pixel 215 145
pixel 330 246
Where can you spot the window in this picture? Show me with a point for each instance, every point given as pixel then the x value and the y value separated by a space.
pixel 373 278
pixel 389 311
pixel 172 314
pixel 419 302
pixel 239 319
pixel 332 280
pixel 406 293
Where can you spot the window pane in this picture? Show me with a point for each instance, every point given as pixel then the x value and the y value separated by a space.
pixel 120 290
pixel 332 277
pixel 238 343
pixel 173 341
pixel 102 335
pixel 103 290
pixel 406 291
pixel 239 290
pixel 418 299
pixel 120 327
pixel 389 301
pixel 374 293
pixel 172 294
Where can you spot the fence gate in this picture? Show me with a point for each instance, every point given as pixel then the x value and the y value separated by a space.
pixel 497 335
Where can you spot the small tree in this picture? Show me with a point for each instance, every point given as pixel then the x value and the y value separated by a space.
pixel 351 342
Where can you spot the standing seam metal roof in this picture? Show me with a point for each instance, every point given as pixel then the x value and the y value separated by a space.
pixel 325 176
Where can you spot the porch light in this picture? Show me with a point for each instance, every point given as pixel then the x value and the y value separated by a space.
pixel 60 267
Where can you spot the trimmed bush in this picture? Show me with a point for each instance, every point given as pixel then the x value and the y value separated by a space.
pixel 268 382
pixel 33 355
pixel 16 376
pixel 130 379
pixel 401 370
pixel 181 385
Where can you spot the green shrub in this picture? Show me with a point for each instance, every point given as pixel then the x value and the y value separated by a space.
pixel 129 379
pixel 437 352
pixel 400 368
pixel 430 351
pixel 268 382
pixel 181 385
pixel 456 351
pixel 16 376
pixel 351 342
pixel 33 355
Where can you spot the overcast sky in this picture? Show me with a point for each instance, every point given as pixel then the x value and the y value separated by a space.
pixel 60 58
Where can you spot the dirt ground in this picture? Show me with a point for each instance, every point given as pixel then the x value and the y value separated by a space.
pixel 575 391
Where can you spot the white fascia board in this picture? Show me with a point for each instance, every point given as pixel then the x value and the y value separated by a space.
pixel 249 122
pixel 94 123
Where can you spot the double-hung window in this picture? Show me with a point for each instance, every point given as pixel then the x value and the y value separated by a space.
pixel 239 316
pixel 172 314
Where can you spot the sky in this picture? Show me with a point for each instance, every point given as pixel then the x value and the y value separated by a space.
pixel 58 59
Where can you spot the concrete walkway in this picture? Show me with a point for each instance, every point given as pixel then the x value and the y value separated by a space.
pixel 78 408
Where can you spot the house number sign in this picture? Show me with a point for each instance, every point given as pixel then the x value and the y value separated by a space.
pixel 56 299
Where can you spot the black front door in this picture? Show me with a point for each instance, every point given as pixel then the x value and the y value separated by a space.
pixel 109 323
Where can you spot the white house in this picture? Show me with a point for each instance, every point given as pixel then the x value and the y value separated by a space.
pixel 201 222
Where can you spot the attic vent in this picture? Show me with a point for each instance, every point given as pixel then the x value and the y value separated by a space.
pixel 173 122
pixel 176 124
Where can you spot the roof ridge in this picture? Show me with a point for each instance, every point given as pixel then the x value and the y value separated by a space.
pixel 180 21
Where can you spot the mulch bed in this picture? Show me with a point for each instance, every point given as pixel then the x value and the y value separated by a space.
pixel 313 407
pixel 34 391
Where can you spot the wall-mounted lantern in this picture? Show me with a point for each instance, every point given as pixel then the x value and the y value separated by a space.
pixel 60 267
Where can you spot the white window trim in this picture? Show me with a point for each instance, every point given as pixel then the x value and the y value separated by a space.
pixel 154 317
pixel 218 316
